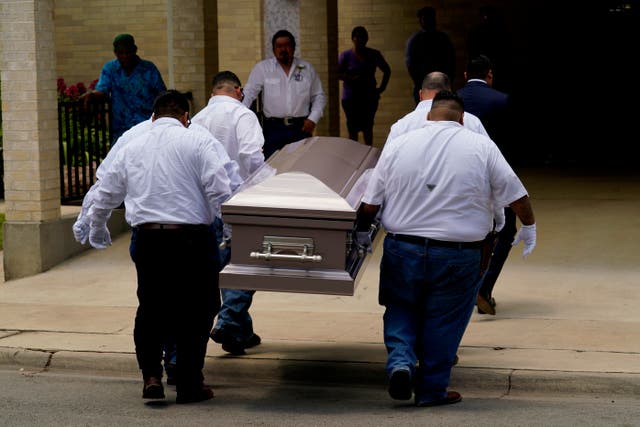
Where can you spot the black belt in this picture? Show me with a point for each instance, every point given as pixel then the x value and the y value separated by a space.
pixel 287 121
pixel 158 226
pixel 433 242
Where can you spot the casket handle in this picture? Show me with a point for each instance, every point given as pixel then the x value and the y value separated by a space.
pixel 273 245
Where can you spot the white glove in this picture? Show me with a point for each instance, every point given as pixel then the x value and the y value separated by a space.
pixel 526 234
pixel 226 232
pixel 498 217
pixel 99 236
pixel 81 229
pixel 363 241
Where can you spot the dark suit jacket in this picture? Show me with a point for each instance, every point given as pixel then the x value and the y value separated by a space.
pixel 492 108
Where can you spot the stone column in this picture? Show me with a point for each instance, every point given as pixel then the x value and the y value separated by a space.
pixel 281 15
pixel 35 235
pixel 30 132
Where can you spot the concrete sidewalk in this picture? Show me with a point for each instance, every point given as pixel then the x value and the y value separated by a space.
pixel 567 316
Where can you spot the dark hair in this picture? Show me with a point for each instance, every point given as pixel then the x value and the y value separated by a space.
pixel 170 103
pixel 427 18
pixel 124 41
pixel 427 12
pixel 478 67
pixel 359 30
pixel 449 99
pixel 225 77
pixel 436 80
pixel 283 33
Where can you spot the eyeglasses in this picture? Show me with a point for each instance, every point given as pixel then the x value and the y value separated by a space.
pixel 188 121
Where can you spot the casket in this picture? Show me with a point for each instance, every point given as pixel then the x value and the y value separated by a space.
pixel 293 223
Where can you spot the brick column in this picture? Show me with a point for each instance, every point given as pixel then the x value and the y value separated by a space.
pixel 188 55
pixel 36 236
pixel 30 129
pixel 32 187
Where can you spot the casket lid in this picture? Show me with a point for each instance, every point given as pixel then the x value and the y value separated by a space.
pixel 290 194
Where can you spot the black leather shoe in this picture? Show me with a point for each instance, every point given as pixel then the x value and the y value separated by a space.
pixel 199 394
pixel 452 397
pixel 486 305
pixel 152 388
pixel 400 384
pixel 233 346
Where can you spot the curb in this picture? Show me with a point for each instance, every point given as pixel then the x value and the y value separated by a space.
pixel 251 369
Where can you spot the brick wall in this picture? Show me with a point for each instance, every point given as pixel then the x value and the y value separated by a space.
pixel 209 37
pixel 240 37
pixel 84 32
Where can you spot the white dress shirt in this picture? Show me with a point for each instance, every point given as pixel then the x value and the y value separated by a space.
pixel 170 175
pixel 440 181
pixel 418 117
pixel 238 130
pixel 298 94
pixel 232 168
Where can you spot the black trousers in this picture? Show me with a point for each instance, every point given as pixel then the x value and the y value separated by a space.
pixel 500 253
pixel 178 298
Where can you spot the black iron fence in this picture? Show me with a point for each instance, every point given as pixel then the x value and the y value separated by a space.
pixel 83 139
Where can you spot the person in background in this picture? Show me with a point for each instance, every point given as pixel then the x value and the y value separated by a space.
pixel 493 108
pixel 435 192
pixel 360 93
pixel 130 83
pixel 172 182
pixel 429 50
pixel 292 95
pixel 239 131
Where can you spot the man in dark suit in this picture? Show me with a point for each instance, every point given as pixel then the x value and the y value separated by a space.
pixel 492 108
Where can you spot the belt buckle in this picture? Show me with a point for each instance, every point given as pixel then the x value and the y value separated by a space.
pixel 288 121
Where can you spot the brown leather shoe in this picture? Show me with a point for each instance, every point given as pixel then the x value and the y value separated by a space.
pixel 452 397
pixel 486 306
pixel 199 394
pixel 153 388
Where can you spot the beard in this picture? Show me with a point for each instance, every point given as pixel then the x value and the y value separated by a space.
pixel 284 58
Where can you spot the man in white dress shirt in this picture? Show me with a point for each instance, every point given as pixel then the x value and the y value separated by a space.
pixel 433 83
pixel 435 190
pixel 239 131
pixel 172 182
pixel 292 95
pixel 81 226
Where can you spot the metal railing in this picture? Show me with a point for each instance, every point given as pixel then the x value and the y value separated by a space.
pixel 83 141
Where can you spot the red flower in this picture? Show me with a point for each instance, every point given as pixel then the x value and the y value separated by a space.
pixel 72 91
pixel 61 86
pixel 81 88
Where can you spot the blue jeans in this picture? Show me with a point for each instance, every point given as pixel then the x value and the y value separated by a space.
pixel 429 293
pixel 233 316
